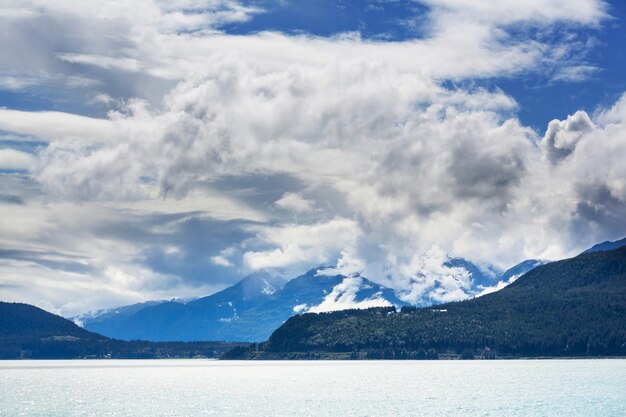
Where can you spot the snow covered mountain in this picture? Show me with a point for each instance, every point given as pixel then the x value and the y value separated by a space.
pixel 249 310
pixel 258 304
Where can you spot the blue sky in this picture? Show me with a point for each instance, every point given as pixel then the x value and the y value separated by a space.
pixel 165 149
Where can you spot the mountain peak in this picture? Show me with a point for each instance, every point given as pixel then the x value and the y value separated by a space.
pixel 258 276
pixel 260 282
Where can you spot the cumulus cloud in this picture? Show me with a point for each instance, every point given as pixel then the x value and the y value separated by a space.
pixel 562 137
pixel 387 168
pixel 428 276
pixel 295 246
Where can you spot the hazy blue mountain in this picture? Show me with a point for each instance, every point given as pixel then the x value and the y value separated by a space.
pixel 248 311
pixel 105 316
pixel 195 320
pixel 604 246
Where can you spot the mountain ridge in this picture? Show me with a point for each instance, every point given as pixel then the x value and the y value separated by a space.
pixel 247 311
pixel 28 332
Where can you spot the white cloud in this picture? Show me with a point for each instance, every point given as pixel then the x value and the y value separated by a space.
pixel 504 12
pixel 220 260
pixel 300 245
pixel 295 202
pixel 348 264
pixel 14 159
pixel 55 125
pixel 107 62
pixel 16 83
pixel 429 279
pixel 575 73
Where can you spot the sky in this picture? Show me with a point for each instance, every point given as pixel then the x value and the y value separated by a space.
pixel 165 149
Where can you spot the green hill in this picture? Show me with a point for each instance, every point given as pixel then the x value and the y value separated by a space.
pixel 28 332
pixel 571 308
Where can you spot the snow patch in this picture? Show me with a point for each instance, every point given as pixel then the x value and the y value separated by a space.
pixel 228 319
pixel 268 289
pixel 343 297
pixel 300 308
pixel 498 286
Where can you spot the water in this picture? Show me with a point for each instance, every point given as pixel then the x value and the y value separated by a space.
pixel 372 388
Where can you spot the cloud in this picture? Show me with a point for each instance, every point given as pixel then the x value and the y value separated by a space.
pixel 109 259
pixel 107 62
pixel 51 125
pixel 16 83
pixel 562 136
pixel 504 12
pixel 222 258
pixel 279 151
pixel 430 279
pixel 348 264
pixel 14 159
pixel 295 202
pixel 300 245
pixel 575 73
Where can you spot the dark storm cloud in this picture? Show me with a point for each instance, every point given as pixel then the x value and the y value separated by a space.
pixel 484 176
pixel 180 244
pixel 11 199
pixel 599 208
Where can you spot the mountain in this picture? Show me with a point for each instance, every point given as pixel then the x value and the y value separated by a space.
pixel 249 310
pixel 604 246
pixel 105 316
pixel 28 332
pixel 481 277
pixel 484 280
pixel 197 320
pixel 511 274
pixel 574 307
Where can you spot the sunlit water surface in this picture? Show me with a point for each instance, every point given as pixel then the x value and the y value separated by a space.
pixel 372 388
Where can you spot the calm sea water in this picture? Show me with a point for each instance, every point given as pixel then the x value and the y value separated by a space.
pixel 372 388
